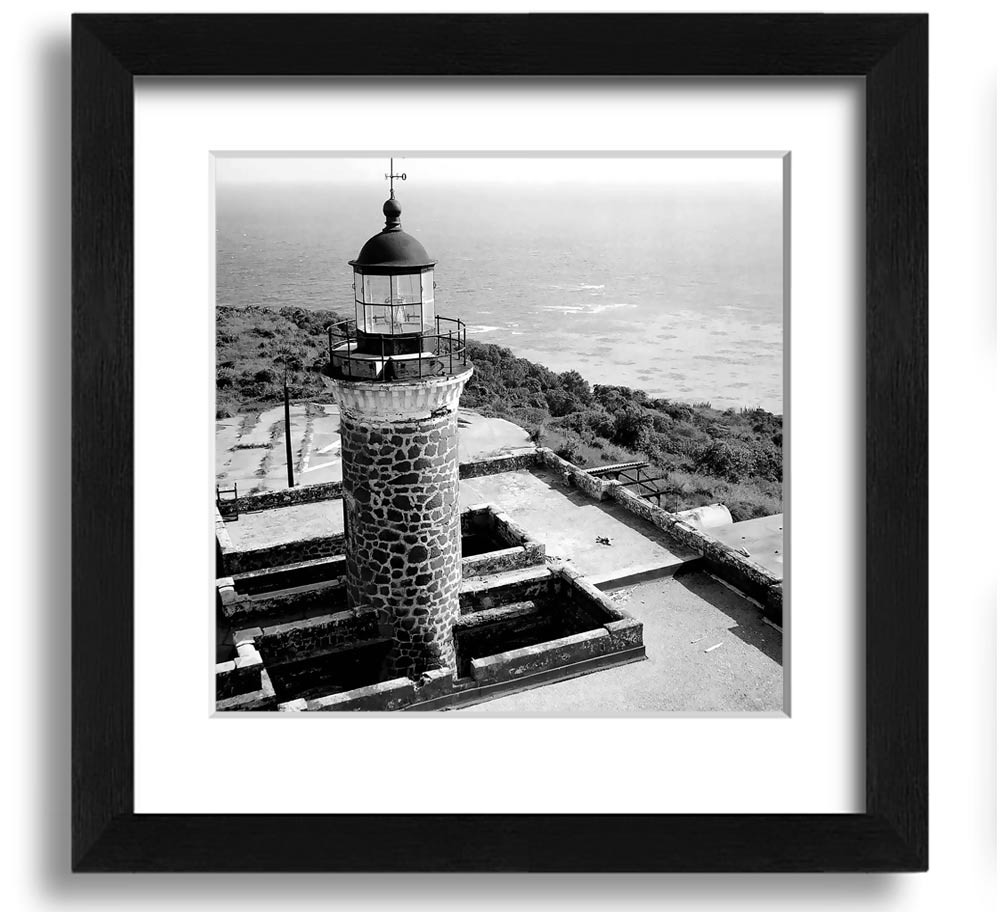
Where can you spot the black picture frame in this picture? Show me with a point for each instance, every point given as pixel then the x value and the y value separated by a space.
pixel 889 51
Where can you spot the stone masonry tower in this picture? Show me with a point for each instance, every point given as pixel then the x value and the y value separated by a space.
pixel 398 372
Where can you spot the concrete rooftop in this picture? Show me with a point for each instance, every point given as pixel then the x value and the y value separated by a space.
pixel 250 448
pixel 285 524
pixel 761 538
pixel 568 522
pixel 708 648
pixel 683 617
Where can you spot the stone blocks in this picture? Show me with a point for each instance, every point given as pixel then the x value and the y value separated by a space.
pixel 299 551
pixel 287 497
pixel 241 675
pixel 316 635
pixel 401 525
pixel 591 485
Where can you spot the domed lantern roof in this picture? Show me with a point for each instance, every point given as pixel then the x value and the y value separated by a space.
pixel 392 250
pixel 393 280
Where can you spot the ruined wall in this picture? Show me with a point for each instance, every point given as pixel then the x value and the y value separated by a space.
pixel 286 497
pixel 591 485
pixel 313 636
pixel 223 546
pixel 243 675
pixel 494 465
pixel 522 551
pixel 402 531
pixel 723 560
pixel 294 552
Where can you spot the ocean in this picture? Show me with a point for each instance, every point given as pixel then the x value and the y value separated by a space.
pixel 675 289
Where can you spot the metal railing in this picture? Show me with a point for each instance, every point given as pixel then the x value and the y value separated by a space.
pixel 228 509
pixel 637 475
pixel 617 469
pixel 437 349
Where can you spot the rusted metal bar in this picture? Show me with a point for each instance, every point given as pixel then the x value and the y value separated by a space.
pixel 644 483
pixel 599 471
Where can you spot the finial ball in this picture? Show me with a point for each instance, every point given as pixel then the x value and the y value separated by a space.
pixel 392 209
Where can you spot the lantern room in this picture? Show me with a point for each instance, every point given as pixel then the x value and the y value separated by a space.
pixel 396 333
pixel 393 281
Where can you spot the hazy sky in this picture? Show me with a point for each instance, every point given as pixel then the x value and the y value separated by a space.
pixel 294 168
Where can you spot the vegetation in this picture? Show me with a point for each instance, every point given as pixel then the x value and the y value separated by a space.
pixel 707 455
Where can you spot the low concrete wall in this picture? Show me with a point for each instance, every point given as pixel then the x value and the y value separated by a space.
pixel 774 603
pixel 313 636
pixel 524 551
pixel 591 485
pixel 247 608
pixel 223 545
pixel 723 560
pixel 385 696
pixel 294 552
pixel 334 490
pixel 241 675
pixel 481 592
pixel 566 590
pixel 288 576
pixel 494 465
pixel 519 663
pixel 497 562
pixel 286 497
pixel 584 596
pixel 255 701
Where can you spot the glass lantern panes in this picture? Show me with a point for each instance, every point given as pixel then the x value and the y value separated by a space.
pixel 394 304
pixel 427 296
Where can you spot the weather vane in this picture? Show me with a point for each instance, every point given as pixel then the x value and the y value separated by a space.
pixel 391 177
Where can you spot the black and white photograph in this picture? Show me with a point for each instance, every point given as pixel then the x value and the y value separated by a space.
pixel 500 433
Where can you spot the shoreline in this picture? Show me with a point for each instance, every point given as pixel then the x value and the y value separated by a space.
pixel 574 364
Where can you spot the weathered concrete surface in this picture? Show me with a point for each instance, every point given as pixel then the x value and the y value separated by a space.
pixel 479 437
pixel 285 524
pixel 682 617
pixel 566 520
pixel 260 462
pixel 569 523
pixel 763 538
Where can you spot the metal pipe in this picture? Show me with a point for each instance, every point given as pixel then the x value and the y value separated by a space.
pixel 288 436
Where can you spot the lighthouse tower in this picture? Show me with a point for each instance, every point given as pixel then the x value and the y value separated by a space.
pixel 398 370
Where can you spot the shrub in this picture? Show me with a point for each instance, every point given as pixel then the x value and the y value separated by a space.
pixel 631 428
pixel 736 460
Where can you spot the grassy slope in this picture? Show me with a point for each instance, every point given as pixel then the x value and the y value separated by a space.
pixel 709 455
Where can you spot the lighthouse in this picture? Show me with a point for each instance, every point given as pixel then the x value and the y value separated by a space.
pixel 398 370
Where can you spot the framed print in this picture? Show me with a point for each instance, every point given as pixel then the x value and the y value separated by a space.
pixel 459 350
